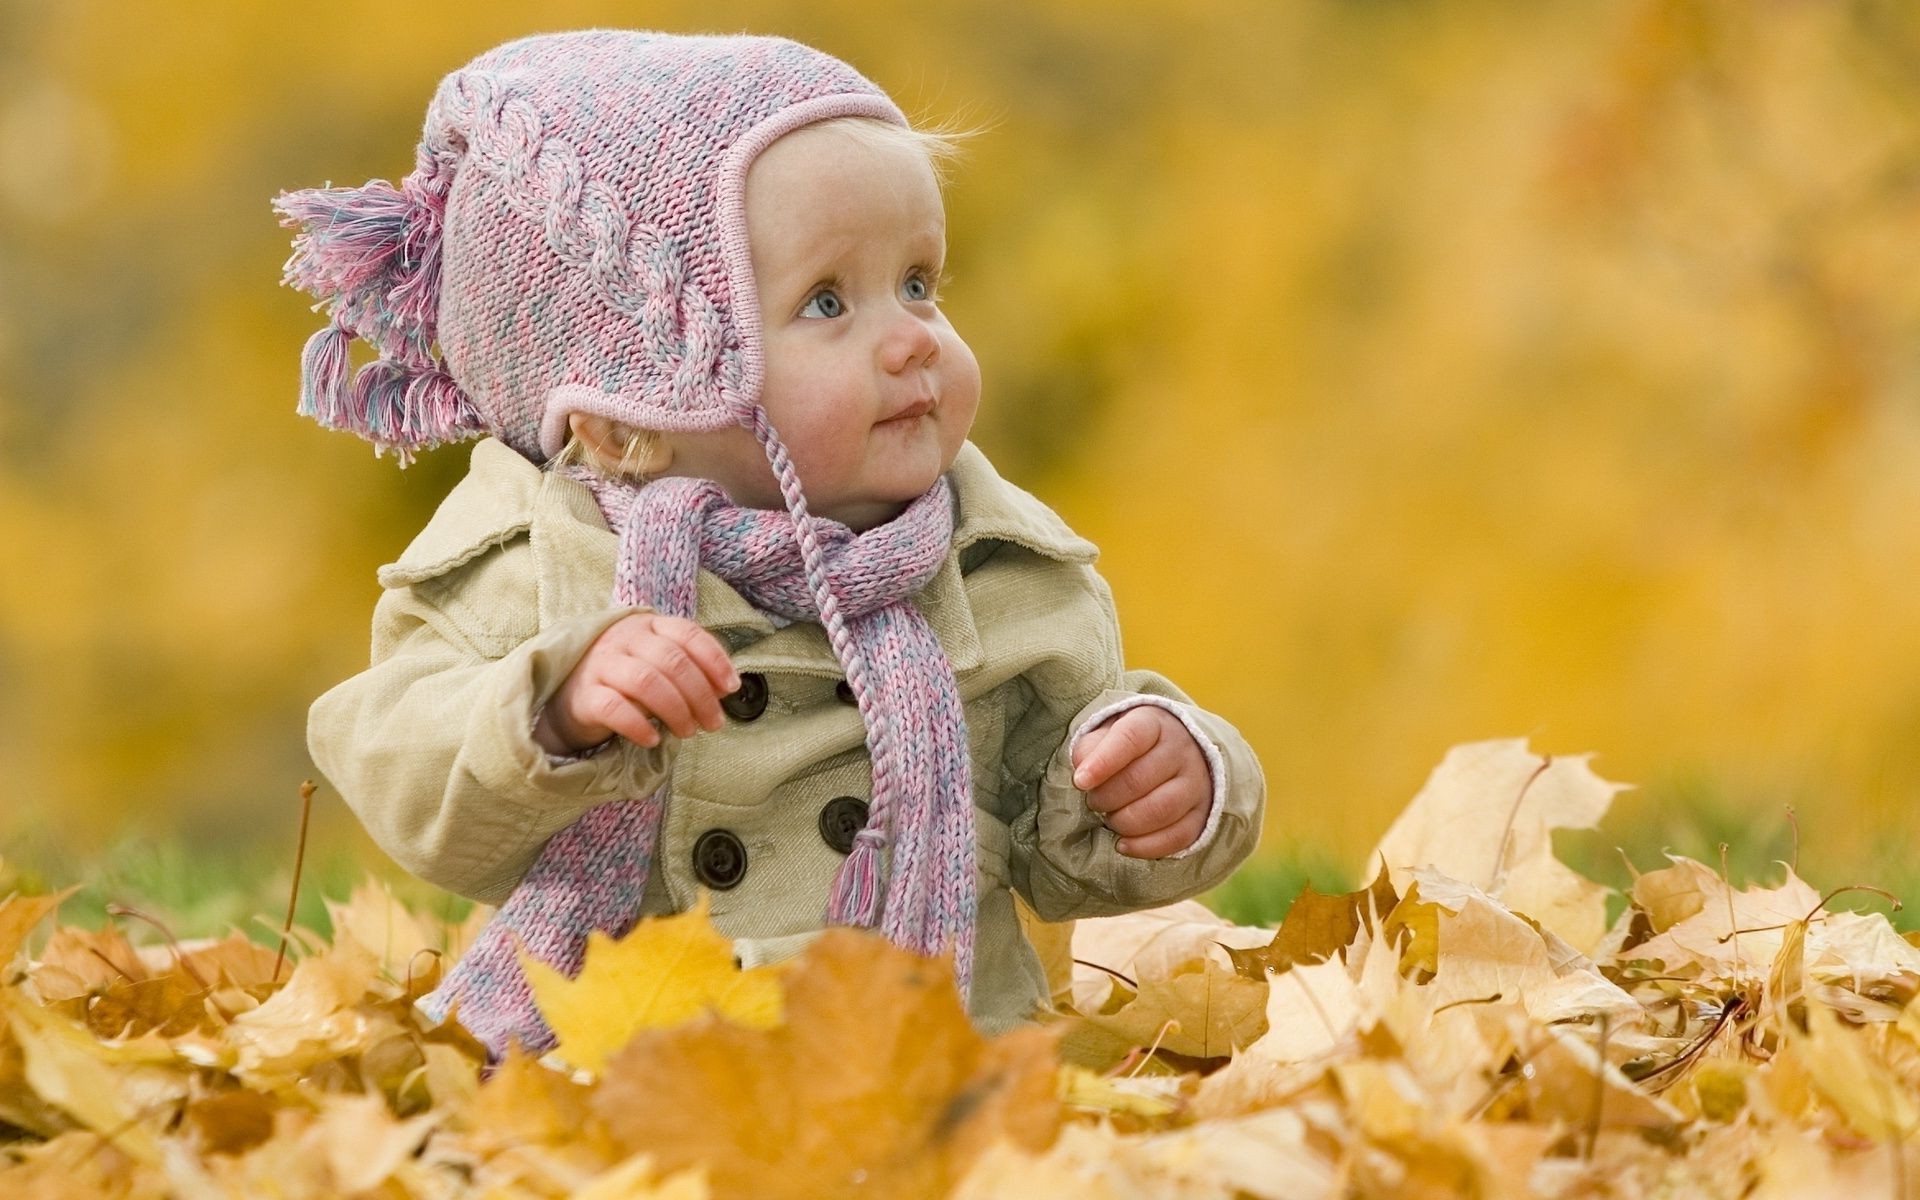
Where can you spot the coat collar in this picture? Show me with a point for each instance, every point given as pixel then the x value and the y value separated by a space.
pixel 503 495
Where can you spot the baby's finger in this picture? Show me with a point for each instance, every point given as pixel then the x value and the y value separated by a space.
pixel 1136 779
pixel 655 690
pixel 1153 811
pixel 614 709
pixel 1176 837
pixel 706 652
pixel 702 699
pixel 1128 736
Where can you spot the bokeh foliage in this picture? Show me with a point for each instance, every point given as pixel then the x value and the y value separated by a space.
pixel 1426 371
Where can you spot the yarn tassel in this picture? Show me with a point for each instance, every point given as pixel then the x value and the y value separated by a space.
pixel 352 238
pixel 855 898
pixel 379 408
pixel 415 298
pixel 438 411
pixel 372 254
pixel 323 379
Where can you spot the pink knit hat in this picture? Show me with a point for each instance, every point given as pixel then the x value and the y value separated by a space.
pixel 572 239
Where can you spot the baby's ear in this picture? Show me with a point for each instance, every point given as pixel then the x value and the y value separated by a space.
pixel 622 449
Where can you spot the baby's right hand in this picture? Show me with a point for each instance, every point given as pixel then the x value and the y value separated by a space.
pixel 641 667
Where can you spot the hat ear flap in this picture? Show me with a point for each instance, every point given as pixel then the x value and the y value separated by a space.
pixel 371 254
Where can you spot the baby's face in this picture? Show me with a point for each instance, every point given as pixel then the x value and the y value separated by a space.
pixel 867 383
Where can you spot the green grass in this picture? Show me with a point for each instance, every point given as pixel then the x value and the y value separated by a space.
pixel 201 893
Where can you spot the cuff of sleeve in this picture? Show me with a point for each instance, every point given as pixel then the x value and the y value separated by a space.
pixel 1216 766
pixel 509 762
pixel 561 760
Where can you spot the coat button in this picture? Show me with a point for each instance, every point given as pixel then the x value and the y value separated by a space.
pixel 843 692
pixel 719 859
pixel 749 700
pixel 840 820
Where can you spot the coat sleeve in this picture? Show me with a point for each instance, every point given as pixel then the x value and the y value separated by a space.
pixel 1064 861
pixel 432 745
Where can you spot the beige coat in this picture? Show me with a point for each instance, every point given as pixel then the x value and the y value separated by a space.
pixel 493 604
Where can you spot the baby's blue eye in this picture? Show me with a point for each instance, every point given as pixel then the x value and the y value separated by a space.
pixel 835 308
pixel 921 283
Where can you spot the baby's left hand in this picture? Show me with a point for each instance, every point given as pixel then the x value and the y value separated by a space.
pixel 1145 772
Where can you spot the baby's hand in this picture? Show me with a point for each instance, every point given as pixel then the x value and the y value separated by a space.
pixel 1146 773
pixel 644 671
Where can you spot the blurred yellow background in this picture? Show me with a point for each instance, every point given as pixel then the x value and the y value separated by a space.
pixel 1427 372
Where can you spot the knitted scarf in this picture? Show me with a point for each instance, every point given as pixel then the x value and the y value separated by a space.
pixel 592 874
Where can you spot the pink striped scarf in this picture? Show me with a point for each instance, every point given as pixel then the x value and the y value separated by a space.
pixel 592 874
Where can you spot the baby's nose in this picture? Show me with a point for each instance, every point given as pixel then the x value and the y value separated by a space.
pixel 911 341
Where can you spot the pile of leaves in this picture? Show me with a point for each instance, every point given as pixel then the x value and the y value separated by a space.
pixel 1470 1024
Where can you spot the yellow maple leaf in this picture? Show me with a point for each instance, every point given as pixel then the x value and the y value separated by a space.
pixel 667 970
pixel 876 1084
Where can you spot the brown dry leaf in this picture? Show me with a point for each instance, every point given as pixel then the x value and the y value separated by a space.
pixel 1672 894
pixel 1317 927
pixel 1416 1148
pixel 666 970
pixel 876 1080
pixel 405 945
pixel 1486 952
pixel 19 914
pixel 64 1066
pixel 230 1121
pixel 1568 1082
pixel 1154 942
pixel 20 1105
pixel 1203 1010
pixel 364 1144
pixel 314 1018
pixel 1797 1164
pixel 79 1163
pixel 1853 1078
pixel 534 1127
pixel 234 961
pixel 1267 1156
pixel 1486 817
pixel 166 1005
pixel 76 961
pixel 1312 1010
pixel 1731 934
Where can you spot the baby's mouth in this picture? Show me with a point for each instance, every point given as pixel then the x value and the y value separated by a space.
pixel 919 408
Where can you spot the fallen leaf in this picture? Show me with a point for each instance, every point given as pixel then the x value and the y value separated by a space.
pixel 666 970
pixel 19 914
pixel 1203 1009
pixel 1486 817
pixel 313 1018
pixel 1317 927
pixel 876 1080
pixel 64 1066
pixel 1152 942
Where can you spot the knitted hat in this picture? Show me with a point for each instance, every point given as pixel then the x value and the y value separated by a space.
pixel 573 236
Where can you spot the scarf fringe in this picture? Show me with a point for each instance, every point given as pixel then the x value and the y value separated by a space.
pixel 855 899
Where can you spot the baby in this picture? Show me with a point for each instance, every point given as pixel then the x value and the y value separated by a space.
pixel 727 602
